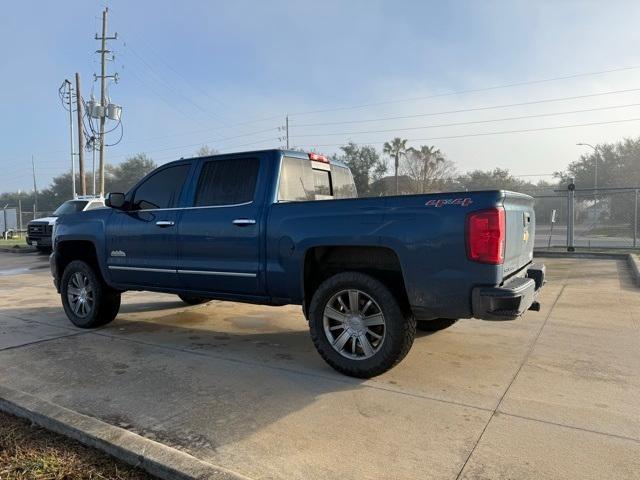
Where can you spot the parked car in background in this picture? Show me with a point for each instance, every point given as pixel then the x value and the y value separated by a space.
pixel 281 227
pixel 39 230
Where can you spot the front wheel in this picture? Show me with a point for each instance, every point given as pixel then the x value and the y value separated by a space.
pixel 358 326
pixel 87 300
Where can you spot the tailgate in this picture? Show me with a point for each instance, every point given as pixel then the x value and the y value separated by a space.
pixel 520 222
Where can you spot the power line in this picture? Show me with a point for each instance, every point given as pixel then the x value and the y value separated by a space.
pixel 162 80
pixel 474 109
pixel 503 132
pixel 273 129
pixel 177 73
pixel 472 90
pixel 441 125
pixel 428 114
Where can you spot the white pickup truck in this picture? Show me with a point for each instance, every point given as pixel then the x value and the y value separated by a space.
pixel 39 230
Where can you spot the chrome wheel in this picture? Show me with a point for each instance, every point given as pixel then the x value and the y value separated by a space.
pixel 80 294
pixel 354 324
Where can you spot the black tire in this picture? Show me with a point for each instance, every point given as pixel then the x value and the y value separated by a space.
pixel 435 325
pixel 189 300
pixel 44 249
pixel 104 302
pixel 400 327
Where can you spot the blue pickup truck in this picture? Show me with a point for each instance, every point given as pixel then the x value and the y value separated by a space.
pixel 283 227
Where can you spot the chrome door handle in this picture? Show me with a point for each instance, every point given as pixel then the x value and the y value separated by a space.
pixel 242 222
pixel 165 223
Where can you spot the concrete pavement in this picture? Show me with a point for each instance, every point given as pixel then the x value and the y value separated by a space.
pixel 555 394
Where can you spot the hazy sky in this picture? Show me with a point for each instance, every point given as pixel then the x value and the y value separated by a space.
pixel 202 72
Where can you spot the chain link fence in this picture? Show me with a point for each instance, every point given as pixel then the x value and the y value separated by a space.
pixel 603 218
pixel 17 227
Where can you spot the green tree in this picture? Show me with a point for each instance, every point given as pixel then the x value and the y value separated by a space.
pixel 366 166
pixel 496 179
pixel 121 177
pixel 395 149
pixel 618 165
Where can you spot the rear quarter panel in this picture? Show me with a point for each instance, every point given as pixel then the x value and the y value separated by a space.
pixel 428 240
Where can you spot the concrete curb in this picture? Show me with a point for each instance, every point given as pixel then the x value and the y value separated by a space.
pixel 155 458
pixel 630 258
pixel 634 263
pixel 590 255
pixel 18 250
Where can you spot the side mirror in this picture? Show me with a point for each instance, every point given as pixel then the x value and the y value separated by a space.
pixel 114 200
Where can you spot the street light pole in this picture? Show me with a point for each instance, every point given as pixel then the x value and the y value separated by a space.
pixel 595 173
pixel 595 179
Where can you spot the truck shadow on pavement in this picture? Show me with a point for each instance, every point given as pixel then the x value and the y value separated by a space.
pixel 195 378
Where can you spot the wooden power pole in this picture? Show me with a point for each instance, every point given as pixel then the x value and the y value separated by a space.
pixel 103 93
pixel 103 90
pixel 83 180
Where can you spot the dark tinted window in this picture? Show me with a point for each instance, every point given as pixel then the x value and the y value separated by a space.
pixel 227 182
pixel 162 189
pixel 322 181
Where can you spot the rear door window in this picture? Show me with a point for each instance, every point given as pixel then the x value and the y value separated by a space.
pixel 227 182
pixel 161 189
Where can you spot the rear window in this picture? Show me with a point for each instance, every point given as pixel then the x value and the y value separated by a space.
pixel 343 185
pixel 296 180
pixel 299 181
pixel 322 182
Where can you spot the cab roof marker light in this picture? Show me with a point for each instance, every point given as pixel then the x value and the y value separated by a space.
pixel 318 158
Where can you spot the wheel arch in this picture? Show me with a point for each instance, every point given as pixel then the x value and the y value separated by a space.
pixel 69 250
pixel 324 261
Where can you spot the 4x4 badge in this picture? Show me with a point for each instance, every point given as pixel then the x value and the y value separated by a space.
pixel 118 253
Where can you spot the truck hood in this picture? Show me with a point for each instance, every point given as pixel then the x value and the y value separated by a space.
pixel 49 220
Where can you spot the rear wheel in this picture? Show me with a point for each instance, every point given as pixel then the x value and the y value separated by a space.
pixel 87 300
pixel 358 326
pixel 435 325
pixel 190 300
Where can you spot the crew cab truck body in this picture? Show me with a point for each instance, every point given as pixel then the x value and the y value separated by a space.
pixel 282 227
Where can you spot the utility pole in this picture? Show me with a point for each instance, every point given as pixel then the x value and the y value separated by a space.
pixel 287 130
pixel 93 159
pixel 103 89
pixel 35 189
pixel 83 180
pixel 73 163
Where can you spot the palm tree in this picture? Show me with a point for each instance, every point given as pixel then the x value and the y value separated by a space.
pixel 396 149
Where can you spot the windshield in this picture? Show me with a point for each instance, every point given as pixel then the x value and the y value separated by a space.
pixel 71 206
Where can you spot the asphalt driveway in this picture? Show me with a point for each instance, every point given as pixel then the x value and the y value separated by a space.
pixel 555 394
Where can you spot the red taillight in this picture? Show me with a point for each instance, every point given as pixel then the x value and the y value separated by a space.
pixel 318 158
pixel 486 236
